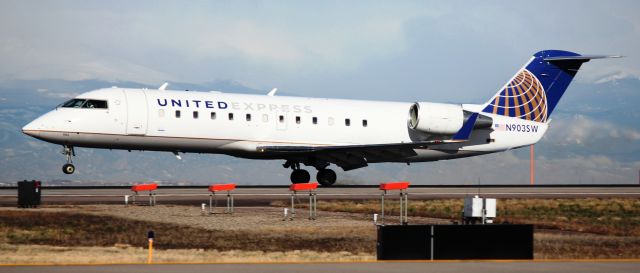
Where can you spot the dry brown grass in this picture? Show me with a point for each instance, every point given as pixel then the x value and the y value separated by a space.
pixel 585 246
pixel 607 216
pixel 30 254
pixel 79 229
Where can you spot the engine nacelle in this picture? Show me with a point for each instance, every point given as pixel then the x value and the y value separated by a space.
pixel 436 118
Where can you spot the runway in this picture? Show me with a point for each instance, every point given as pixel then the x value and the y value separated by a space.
pixel 409 267
pixel 254 195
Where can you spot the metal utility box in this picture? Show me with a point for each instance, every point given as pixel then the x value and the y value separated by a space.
pixel 29 194
pixel 490 207
pixel 473 207
pixel 479 208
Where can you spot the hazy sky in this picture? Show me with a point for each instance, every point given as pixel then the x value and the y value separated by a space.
pixel 355 49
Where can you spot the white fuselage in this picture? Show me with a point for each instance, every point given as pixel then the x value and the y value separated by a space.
pixel 237 124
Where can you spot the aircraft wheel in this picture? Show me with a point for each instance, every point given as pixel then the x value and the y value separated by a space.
pixel 300 176
pixel 326 177
pixel 68 168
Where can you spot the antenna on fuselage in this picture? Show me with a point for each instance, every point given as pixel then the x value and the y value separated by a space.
pixel 163 86
pixel 272 92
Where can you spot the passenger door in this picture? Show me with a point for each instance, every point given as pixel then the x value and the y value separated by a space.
pixel 136 112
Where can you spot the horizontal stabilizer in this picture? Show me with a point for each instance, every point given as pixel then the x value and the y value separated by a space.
pixel 585 58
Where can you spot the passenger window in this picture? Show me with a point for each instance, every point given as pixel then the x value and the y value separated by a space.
pixel 364 123
pixel 213 115
pixel 177 113
pixel 347 122
pixel 297 119
pixel 330 121
pixel 265 118
pixel 230 116
pixel 161 113
pixel 281 118
pixel 314 120
pixel 248 117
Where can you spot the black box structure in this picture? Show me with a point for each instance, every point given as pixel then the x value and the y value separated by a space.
pixel 455 242
pixel 29 194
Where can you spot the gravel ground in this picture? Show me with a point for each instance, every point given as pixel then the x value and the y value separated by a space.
pixel 244 218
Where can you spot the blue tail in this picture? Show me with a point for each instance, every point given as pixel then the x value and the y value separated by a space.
pixel 535 90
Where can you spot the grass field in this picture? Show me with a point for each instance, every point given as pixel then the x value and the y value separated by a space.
pixel 566 228
pixel 606 216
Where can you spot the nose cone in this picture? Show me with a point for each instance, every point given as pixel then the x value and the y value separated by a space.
pixel 31 129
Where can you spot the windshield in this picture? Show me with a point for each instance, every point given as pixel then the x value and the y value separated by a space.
pixel 74 103
pixel 85 103
pixel 99 104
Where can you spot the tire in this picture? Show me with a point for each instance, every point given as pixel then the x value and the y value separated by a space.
pixel 68 168
pixel 300 176
pixel 326 177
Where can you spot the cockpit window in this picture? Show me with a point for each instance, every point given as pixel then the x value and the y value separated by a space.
pixel 85 103
pixel 97 104
pixel 74 103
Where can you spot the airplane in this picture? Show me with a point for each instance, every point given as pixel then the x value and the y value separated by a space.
pixel 314 132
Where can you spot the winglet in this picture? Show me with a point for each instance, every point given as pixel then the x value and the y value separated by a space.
pixel 466 129
pixel 163 86
pixel 272 92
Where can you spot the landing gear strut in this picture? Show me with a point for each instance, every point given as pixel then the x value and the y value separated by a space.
pixel 69 152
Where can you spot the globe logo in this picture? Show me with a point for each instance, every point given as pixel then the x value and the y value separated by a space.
pixel 522 97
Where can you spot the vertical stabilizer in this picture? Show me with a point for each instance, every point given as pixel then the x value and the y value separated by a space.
pixel 533 92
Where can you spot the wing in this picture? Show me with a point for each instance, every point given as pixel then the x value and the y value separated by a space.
pixel 350 157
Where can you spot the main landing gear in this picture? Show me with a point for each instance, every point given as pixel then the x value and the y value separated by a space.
pixel 326 177
pixel 69 152
pixel 300 176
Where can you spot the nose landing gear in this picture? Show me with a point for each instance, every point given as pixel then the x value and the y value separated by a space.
pixel 68 152
pixel 68 168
